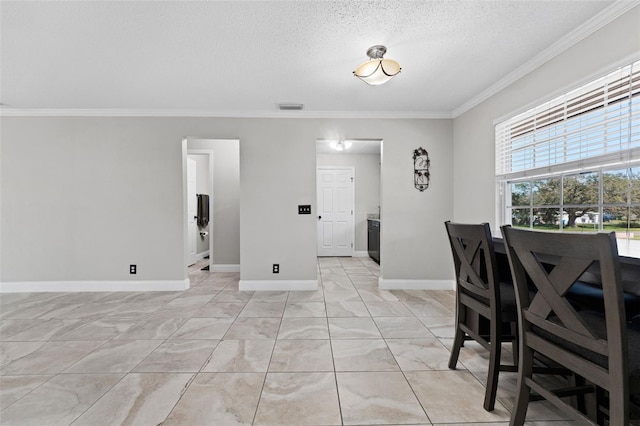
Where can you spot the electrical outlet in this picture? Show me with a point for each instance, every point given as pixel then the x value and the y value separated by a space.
pixel 133 269
pixel 276 268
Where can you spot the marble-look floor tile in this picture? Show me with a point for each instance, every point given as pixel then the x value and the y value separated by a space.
pixel 220 310
pixel 175 311
pixel 305 309
pixel 90 310
pixel 182 356
pixel 388 309
pixel 347 309
pixel 270 296
pixel 428 308
pixel 101 329
pixel 369 398
pixel 13 351
pixel 191 300
pixel 203 328
pixel 298 399
pixel 353 328
pixel 453 396
pixel 357 270
pixel 134 310
pixel 304 328
pixel 372 295
pixel 232 296
pixel 253 328
pixel 157 327
pixel 115 356
pixel 12 388
pixel 363 355
pixel 401 327
pixel 37 310
pixel 218 399
pixel 306 296
pixel 342 296
pixel 301 355
pixel 240 356
pixel 440 326
pixel 52 329
pixel 260 309
pixel 51 358
pixel 11 327
pixel 138 399
pixel 61 400
pixel 419 354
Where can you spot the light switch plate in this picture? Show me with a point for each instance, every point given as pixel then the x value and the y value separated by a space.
pixel 304 209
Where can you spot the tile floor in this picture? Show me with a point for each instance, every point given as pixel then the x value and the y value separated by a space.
pixel 348 353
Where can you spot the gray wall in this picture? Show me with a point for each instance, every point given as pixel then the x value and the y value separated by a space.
pixel 474 191
pixel 99 193
pixel 367 188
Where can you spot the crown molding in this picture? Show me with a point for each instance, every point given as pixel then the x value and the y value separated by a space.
pixel 611 13
pixel 15 112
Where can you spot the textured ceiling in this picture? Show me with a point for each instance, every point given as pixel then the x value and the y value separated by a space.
pixel 244 57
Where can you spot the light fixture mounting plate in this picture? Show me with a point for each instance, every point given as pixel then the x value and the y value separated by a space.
pixel 376 52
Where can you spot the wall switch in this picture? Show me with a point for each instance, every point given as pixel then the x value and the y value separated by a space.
pixel 133 269
pixel 304 209
pixel 276 268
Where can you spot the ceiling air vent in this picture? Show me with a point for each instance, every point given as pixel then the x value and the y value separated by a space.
pixel 290 107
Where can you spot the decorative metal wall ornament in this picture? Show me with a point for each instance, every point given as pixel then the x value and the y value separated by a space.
pixel 421 165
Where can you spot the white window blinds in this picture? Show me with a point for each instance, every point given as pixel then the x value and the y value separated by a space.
pixel 595 125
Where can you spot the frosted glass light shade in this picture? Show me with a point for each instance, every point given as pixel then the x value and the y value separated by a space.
pixel 377 71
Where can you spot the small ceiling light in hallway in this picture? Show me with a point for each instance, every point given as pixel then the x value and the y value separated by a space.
pixel 377 70
pixel 341 145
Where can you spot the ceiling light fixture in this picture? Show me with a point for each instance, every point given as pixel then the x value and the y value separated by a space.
pixel 342 145
pixel 377 70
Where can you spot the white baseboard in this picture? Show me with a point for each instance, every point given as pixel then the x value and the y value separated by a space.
pixel 360 254
pixel 277 285
pixel 225 268
pixel 91 286
pixel 387 284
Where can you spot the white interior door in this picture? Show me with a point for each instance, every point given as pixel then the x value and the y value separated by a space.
pixel 192 213
pixel 335 211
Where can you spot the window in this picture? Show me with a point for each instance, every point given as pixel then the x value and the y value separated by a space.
pixel 573 163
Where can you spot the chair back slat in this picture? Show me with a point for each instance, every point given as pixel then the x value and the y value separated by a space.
pixel 593 344
pixel 474 257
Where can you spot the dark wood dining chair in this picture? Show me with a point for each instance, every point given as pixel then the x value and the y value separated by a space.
pixel 601 347
pixel 480 293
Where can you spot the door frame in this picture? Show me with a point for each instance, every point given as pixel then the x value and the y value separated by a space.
pixel 353 204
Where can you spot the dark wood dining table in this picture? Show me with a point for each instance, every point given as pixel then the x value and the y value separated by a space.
pixel 630 270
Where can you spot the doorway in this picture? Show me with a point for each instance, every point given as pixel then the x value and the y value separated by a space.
pixel 218 179
pixel 364 158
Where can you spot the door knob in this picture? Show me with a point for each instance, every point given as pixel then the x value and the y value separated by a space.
pixel 319 217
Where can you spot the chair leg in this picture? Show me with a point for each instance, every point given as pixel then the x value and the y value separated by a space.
pixel 494 366
pixel 523 392
pixel 458 341
pixel 515 342
pixel 618 406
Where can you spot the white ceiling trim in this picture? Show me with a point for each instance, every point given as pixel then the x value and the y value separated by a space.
pixel 616 10
pixel 9 112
